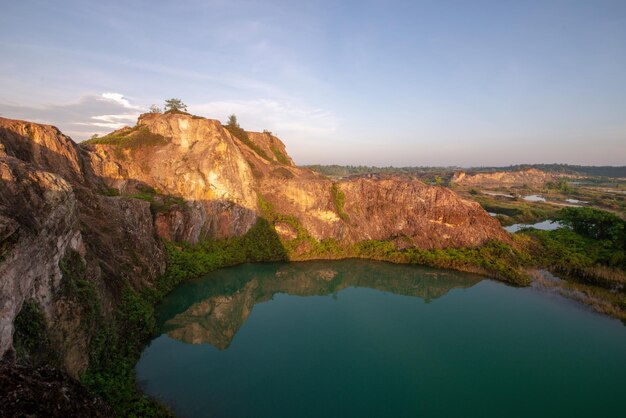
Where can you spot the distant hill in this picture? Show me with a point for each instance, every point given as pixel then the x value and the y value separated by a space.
pixel 348 170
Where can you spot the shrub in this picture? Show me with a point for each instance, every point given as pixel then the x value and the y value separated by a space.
pixel 31 338
pixel 339 200
pixel 233 127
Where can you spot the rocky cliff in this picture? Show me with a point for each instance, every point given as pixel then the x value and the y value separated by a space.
pixel 57 232
pixel 93 214
pixel 530 177
pixel 227 181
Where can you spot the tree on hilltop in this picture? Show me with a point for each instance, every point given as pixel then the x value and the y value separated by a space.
pixel 232 121
pixel 155 109
pixel 175 105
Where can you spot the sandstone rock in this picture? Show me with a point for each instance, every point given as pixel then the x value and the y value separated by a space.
pixel 530 177
pixel 201 182
pixel 50 208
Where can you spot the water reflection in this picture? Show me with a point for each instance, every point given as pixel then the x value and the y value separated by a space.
pixel 213 309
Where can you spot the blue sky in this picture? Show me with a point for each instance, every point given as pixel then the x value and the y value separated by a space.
pixel 350 82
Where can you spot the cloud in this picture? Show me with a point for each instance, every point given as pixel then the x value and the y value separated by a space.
pixel 91 114
pixel 120 99
pixel 297 124
pixel 282 118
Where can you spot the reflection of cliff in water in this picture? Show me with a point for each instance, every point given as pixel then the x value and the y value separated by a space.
pixel 212 310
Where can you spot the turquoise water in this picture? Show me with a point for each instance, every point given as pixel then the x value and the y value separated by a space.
pixel 359 338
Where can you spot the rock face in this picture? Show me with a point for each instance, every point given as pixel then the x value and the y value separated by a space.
pixel 46 392
pixel 190 157
pixel 383 208
pixel 50 210
pixel 220 177
pixel 60 202
pixel 531 178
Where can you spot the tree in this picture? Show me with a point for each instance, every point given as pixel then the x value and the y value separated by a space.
pixel 595 223
pixel 155 109
pixel 175 105
pixel 232 121
pixel 94 136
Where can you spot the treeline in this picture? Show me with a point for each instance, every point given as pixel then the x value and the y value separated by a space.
pixel 349 170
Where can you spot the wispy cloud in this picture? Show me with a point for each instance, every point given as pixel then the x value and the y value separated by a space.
pixel 280 117
pixel 91 114
pixel 120 99
pixel 109 111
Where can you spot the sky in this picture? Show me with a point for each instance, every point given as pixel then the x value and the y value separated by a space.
pixel 403 83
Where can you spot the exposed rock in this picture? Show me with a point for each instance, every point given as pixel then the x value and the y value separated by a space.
pixel 382 208
pixel 198 161
pixel 530 177
pixel 45 392
pixel 50 209
pixel 56 200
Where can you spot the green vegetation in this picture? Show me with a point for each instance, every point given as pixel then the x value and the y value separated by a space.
pixel 593 171
pixel 495 258
pixel 159 203
pixel 513 211
pixel 592 249
pixel 31 338
pixel 596 224
pixel 339 200
pixel 187 261
pixel 77 289
pixel 110 191
pixel 560 185
pixel 269 213
pixel 280 157
pixel 233 127
pixel 113 352
pixel 175 106
pixel 129 139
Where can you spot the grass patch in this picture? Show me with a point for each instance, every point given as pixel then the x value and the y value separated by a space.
pixel 242 135
pixel 159 203
pixel 280 157
pixel 129 139
pixel 339 200
pixel 110 191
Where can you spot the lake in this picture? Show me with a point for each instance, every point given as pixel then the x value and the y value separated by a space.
pixel 358 338
pixel 548 225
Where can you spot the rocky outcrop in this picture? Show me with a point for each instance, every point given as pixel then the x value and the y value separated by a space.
pixel 220 175
pixel 46 392
pixel 530 177
pixel 54 223
pixel 190 157
pixel 382 208
pixel 39 222
pixel 97 210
